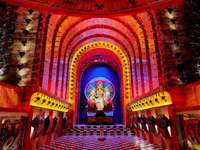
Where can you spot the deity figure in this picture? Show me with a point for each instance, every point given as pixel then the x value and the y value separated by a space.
pixel 92 98
pixel 106 96
pixel 99 97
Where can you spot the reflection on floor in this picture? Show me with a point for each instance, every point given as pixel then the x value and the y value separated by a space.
pixel 92 143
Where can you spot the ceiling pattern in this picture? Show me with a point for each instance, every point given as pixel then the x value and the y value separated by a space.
pixel 129 33
pixel 93 8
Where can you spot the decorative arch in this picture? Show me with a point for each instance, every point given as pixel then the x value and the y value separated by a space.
pixel 132 34
pixel 93 8
pixel 73 76
pixel 99 56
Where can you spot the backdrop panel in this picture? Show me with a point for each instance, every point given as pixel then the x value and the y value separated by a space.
pixel 105 71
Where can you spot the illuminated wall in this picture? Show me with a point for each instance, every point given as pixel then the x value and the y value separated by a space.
pixel 129 33
pixel 67 45
pixel 149 44
pixel 133 35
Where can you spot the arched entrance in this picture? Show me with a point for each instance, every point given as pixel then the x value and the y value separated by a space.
pixel 92 72
pixel 92 54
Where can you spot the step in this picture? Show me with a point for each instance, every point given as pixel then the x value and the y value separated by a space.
pixel 98 126
pixel 98 130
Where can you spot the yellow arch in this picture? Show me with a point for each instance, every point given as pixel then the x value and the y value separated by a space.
pixel 72 97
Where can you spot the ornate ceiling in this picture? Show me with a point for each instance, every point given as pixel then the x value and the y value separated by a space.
pixel 93 8
pixel 74 34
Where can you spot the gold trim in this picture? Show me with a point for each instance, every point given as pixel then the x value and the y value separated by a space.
pixel 160 99
pixel 41 100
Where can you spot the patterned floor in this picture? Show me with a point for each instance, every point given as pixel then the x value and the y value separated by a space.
pixel 96 131
pixel 86 138
pixel 92 143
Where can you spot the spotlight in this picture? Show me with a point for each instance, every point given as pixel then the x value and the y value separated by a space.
pixel 37 99
pixel 156 100
pixel 163 97
pixel 170 10
pixel 44 100
pixel 28 20
pixel 173 21
pixel 30 11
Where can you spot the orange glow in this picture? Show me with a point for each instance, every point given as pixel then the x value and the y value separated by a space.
pixel 41 100
pixel 156 100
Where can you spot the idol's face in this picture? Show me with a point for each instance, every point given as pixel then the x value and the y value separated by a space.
pixel 99 86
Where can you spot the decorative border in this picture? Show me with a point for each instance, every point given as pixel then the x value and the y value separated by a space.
pixel 94 45
pixel 41 100
pixel 160 99
pixel 59 9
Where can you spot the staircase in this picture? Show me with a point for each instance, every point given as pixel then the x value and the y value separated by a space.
pixel 95 130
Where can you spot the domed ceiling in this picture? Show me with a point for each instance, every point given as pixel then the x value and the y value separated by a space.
pixel 93 8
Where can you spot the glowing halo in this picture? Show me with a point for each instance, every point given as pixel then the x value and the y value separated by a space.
pixel 106 84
